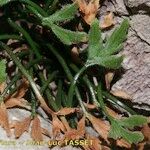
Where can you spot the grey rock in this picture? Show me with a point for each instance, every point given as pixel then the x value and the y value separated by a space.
pixel 107 6
pixel 120 7
pixel 136 80
pixel 135 3
pixel 141 24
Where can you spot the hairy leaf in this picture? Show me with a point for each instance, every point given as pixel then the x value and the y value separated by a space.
pixel 132 137
pixel 3 2
pixel 111 62
pixel 135 120
pixel 117 131
pixel 68 37
pixel 2 71
pixel 114 43
pixel 95 41
pixel 66 13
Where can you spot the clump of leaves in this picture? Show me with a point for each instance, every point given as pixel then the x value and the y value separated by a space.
pixel 39 45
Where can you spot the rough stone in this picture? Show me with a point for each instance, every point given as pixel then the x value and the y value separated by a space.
pixel 120 7
pixel 141 23
pixel 136 80
pixel 135 3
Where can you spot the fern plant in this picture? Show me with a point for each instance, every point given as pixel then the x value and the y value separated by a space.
pixel 49 49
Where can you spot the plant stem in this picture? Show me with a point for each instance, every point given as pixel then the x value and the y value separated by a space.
pixel 34 11
pixel 62 62
pixel 112 99
pixel 53 7
pixel 34 5
pixel 68 74
pixel 89 85
pixel 48 3
pixel 10 36
pixel 16 77
pixel 26 74
pixel 27 37
pixel 48 93
pixel 73 83
pixel 46 83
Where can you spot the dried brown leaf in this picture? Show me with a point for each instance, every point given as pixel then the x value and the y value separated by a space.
pixel 4 122
pixel 46 132
pixel 141 146
pixel 22 90
pixel 113 113
pixel 146 132
pixel 2 87
pixel 108 79
pixel 89 9
pixel 121 94
pixel 108 21
pixel 90 106
pixel 100 126
pixel 22 126
pixel 57 126
pixel 75 134
pixel 36 130
pixel 65 111
pixel 123 143
pixel 105 148
pixel 13 102
pixel 81 125
pixel 75 55
pixel 95 143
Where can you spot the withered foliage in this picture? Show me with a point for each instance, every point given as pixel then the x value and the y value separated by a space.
pixel 89 9
pixel 4 120
pixel 36 130
pixel 21 126
pixel 100 126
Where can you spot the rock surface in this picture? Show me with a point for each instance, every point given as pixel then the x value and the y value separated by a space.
pixel 136 3
pixel 136 79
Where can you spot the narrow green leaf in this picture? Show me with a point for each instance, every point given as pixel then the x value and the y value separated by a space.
pixel 68 37
pixel 59 94
pixel 2 71
pixel 134 120
pixel 3 2
pixel 65 99
pixel 111 62
pixel 95 40
pixel 66 13
pixel 114 43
